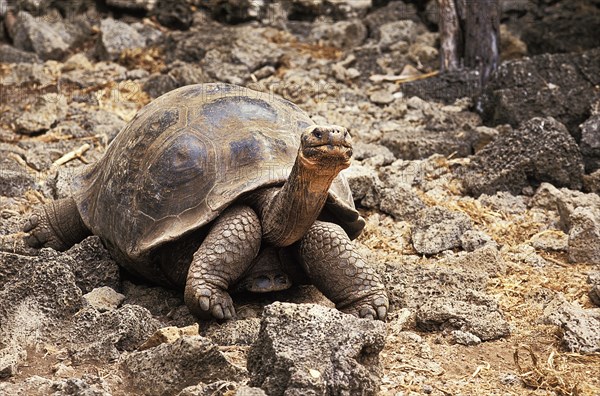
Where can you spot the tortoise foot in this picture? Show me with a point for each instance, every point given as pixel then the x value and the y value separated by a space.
pixel 40 233
pixel 205 300
pixel 374 306
pixel 56 225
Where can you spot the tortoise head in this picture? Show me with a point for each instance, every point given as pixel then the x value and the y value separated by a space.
pixel 327 146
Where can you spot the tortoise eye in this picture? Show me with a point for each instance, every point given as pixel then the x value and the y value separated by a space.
pixel 317 134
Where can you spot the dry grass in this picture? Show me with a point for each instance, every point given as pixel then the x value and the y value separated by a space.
pixel 544 375
pixel 534 350
pixel 150 59
pixel 315 50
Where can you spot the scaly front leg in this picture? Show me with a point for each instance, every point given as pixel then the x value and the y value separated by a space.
pixel 340 273
pixel 226 253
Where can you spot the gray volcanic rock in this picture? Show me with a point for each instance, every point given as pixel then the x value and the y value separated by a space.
pixel 158 300
pixel 10 54
pixel 152 35
pixel 37 294
pixel 594 280
pixel 556 241
pixel 158 84
pixel 595 294
pixel 580 328
pixel 564 202
pixel 235 11
pixel 472 240
pixel 540 151
pixel 143 5
pixel 104 299
pixel 270 12
pixel 549 85
pixel 590 143
pixel 427 129
pixel 169 368
pixel 486 259
pixel 117 36
pixel 47 110
pixel 223 53
pixel 445 87
pixel 447 299
pixel 37 35
pixel 343 34
pixel 309 349
pixel 393 32
pixel 27 73
pixel 93 266
pixel 504 202
pixel 555 31
pixel 337 9
pixel 187 73
pixel 417 143
pixel 372 154
pixel 584 236
pixel 401 201
pixel 175 14
pixel 218 388
pixel 235 332
pixel 398 199
pixel 437 229
pixel 87 385
pixel 45 282
pixel 14 177
pixel 392 12
pixel 591 182
pixel 362 180
pixel 95 336
pixel 10 359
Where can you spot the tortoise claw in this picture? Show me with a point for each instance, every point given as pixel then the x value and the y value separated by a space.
pixel 40 233
pixel 205 300
pixel 36 237
pixel 367 313
pixel 370 307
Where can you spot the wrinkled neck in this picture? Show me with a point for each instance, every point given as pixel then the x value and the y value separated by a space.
pixel 288 212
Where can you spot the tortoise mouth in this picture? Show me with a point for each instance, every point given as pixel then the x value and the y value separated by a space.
pixel 328 153
pixel 329 146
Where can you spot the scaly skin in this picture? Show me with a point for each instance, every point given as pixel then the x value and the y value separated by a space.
pixel 226 253
pixel 57 225
pixel 340 273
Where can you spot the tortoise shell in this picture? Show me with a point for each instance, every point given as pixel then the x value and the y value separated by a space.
pixel 188 155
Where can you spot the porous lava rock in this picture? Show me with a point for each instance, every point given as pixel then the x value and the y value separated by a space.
pixel 541 150
pixel 309 349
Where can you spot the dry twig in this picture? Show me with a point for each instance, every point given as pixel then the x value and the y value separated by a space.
pixel 71 155
pixel 547 377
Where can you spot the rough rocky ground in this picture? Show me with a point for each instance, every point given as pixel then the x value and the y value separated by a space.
pixel 482 210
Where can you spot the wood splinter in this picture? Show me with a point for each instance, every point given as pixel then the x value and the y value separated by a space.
pixel 71 155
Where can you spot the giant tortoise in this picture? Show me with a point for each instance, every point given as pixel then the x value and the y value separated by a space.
pixel 214 188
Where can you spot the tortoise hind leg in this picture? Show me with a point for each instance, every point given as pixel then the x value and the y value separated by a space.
pixel 340 273
pixel 224 256
pixel 57 225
